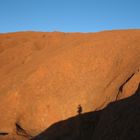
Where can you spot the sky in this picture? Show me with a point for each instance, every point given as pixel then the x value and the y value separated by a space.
pixel 68 15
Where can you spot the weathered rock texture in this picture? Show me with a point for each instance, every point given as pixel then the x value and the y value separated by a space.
pixel 118 121
pixel 45 76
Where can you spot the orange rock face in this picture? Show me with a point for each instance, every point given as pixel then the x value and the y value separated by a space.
pixel 45 76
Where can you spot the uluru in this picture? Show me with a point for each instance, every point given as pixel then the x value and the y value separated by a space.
pixel 70 86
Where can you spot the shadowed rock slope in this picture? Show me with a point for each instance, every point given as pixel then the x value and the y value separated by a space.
pixel 45 76
pixel 118 121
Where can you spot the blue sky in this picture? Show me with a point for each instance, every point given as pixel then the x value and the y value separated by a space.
pixel 68 15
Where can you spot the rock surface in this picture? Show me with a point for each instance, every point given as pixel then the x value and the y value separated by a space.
pixel 118 121
pixel 45 76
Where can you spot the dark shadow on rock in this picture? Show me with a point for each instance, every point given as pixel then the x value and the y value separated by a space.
pixel 3 133
pixel 74 128
pixel 120 120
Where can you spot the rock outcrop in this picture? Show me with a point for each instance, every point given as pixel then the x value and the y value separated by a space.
pixel 118 121
pixel 45 76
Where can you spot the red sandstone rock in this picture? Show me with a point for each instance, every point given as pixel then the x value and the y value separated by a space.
pixel 45 76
